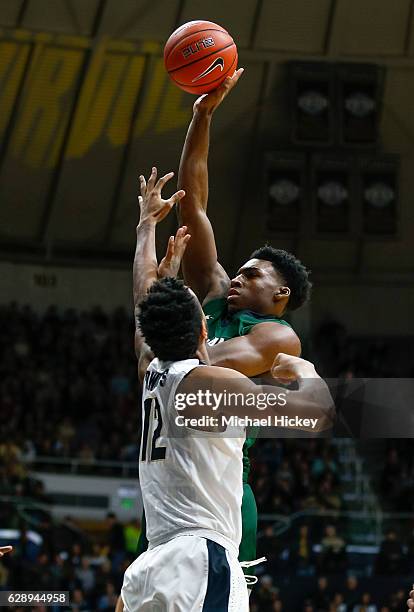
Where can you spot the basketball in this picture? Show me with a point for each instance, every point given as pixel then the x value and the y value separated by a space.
pixel 199 55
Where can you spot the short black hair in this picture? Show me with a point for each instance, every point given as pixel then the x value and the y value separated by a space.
pixel 292 270
pixel 170 320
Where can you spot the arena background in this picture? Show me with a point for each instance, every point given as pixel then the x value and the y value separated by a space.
pixel 312 152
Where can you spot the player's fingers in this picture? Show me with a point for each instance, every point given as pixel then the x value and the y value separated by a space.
pixel 140 201
pixel 177 196
pixel 164 179
pixel 142 184
pixel 281 372
pixel 170 249
pixel 236 75
pixel 181 243
pixel 152 178
pixel 185 241
pixel 283 368
pixel 231 81
pixel 5 549
pixel 180 233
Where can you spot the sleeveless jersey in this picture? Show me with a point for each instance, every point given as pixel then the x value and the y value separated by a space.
pixel 222 326
pixel 191 481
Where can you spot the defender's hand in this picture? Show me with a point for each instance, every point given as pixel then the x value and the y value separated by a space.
pixel 209 102
pixel 5 549
pixel 287 368
pixel 170 264
pixel 152 206
pixel 410 602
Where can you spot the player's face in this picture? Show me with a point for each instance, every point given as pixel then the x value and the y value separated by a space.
pixel 254 287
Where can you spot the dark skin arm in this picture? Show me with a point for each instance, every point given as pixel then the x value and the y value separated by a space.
pixel 312 399
pixel 200 266
pixel 254 353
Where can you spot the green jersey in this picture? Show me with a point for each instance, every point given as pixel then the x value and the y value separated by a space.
pixel 222 326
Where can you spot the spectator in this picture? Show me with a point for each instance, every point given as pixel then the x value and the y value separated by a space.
pixel 86 576
pixel 115 539
pixel 391 558
pixel 107 602
pixel 352 591
pixel 132 532
pixel 365 605
pixel 301 552
pixel 333 557
pixel 78 602
pixel 337 604
pixel 321 597
pixel 266 591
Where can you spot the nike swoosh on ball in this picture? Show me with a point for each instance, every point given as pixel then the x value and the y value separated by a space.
pixel 218 63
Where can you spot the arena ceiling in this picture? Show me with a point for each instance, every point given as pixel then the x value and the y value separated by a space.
pixel 86 105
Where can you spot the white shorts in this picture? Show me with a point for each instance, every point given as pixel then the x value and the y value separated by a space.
pixel 187 573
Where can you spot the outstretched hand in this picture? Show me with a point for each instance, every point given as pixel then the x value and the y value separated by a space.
pixel 152 206
pixel 170 264
pixel 5 549
pixel 210 101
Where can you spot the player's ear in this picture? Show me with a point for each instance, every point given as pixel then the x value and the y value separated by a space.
pixel 281 293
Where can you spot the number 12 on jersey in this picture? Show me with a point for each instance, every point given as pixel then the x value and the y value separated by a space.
pixel 152 414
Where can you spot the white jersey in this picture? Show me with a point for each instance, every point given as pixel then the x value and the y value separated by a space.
pixel 191 481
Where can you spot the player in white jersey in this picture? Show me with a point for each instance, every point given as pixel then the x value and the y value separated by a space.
pixel 203 467
pixel 191 482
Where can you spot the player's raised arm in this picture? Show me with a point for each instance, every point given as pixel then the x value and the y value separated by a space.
pixel 145 268
pixel 201 270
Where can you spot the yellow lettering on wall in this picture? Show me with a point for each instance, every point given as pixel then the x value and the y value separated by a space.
pixel 152 97
pixel 12 61
pixel 119 125
pixel 95 104
pixel 173 113
pixel 45 106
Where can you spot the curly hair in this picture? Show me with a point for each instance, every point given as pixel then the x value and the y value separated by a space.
pixel 292 270
pixel 170 320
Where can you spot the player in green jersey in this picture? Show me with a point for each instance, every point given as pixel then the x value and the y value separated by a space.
pixel 245 314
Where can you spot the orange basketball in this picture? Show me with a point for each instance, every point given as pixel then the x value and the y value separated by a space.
pixel 199 55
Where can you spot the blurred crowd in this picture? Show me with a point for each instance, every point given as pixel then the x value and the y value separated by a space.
pixel 289 475
pixel 396 485
pixel 323 594
pixel 336 353
pixel 68 383
pixel 67 560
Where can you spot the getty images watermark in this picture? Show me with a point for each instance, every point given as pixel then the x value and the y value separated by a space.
pixel 218 402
